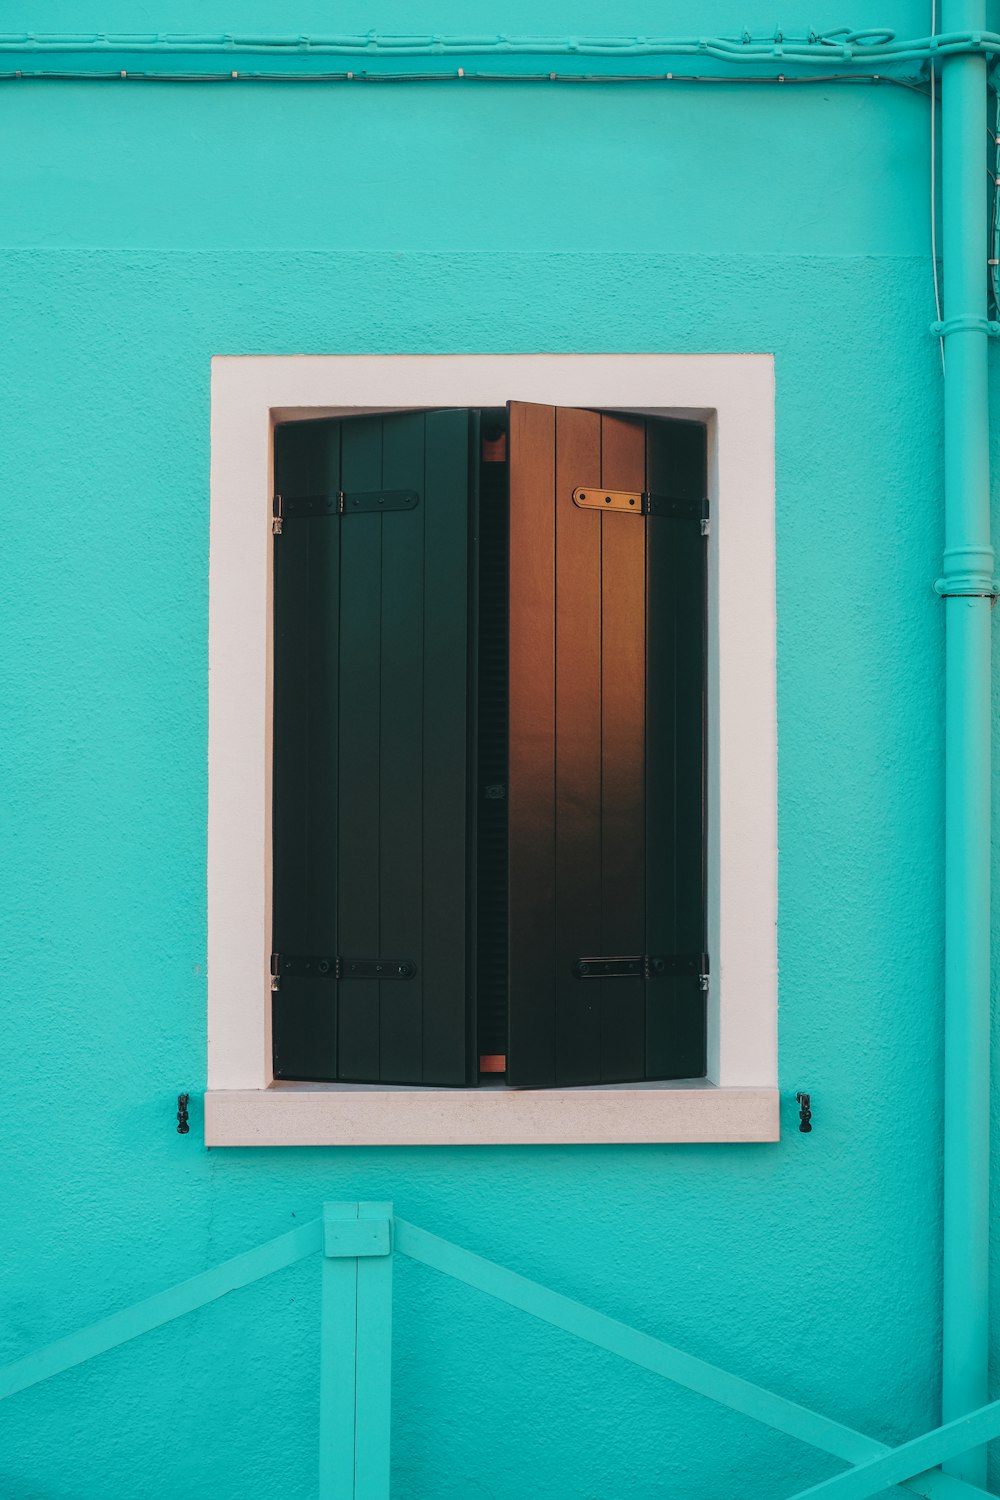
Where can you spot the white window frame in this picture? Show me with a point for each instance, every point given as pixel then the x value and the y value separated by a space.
pixel 734 395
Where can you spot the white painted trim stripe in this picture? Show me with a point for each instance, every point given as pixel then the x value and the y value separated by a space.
pixel 735 395
pixel 286 1116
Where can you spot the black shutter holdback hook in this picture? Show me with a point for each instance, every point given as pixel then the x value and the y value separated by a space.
pixel 182 1114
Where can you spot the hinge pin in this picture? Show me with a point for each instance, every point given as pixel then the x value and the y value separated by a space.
pixel 276 518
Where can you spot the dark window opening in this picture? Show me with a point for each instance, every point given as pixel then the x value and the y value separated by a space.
pixel 488 819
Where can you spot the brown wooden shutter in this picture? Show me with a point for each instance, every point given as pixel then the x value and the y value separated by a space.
pixel 606 748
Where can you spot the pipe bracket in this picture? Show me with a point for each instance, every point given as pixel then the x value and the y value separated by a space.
pixel 965 325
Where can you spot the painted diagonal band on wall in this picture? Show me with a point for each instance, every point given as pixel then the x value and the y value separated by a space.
pixel 901 1463
pixel 663 1359
pixel 876 1465
pixel 141 1318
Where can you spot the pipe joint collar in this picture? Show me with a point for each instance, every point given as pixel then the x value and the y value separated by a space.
pixel 968 586
pixel 967 571
pixel 965 325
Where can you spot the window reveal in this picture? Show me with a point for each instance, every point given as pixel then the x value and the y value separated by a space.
pixel 488 819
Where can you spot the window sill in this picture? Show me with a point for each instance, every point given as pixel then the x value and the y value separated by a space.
pixel 309 1114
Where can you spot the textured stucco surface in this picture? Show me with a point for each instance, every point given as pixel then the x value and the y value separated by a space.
pixel 149 230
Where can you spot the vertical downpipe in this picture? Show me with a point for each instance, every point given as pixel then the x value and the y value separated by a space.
pixel 967 586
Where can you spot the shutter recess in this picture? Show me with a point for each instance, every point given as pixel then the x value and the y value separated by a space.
pixel 606 747
pixel 543 704
pixel 371 749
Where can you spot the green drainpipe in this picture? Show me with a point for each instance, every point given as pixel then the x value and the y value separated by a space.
pixel 967 586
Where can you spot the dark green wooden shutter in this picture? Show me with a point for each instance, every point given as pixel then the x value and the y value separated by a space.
pixel 606 745
pixel 371 831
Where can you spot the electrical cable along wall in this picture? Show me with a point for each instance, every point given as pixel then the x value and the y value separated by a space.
pixel 197 58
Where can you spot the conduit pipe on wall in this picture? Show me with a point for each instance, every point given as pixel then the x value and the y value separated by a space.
pixel 284 58
pixel 968 588
pixel 838 45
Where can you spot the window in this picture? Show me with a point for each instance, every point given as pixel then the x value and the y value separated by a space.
pixel 684 414
pixel 489 729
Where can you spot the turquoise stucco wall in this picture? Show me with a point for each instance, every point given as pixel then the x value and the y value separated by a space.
pixel 148 228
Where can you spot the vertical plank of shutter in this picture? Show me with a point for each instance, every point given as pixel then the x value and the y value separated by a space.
pixel 623 749
pixel 578 745
pixel 689 1059
pixel 675 787
pixel 291 924
pixel 691 694
pixel 666 996
pixel 531 1056
pixel 401 751
pixel 360 740
pixel 304 823
pixel 445 748
pixel 491 614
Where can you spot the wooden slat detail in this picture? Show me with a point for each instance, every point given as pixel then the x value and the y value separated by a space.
pixel 623 749
pixel 578 746
pixel 360 748
pixel 304 905
pixel 531 1056
pixel 489 810
pixel 447 998
pixel 401 750
pixel 684 1369
pixel 298 459
pixel 675 784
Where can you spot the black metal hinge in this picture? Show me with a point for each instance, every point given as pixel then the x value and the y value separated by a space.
pixel 643 503
pixel 338 503
pixel 330 966
pixel 644 966
pixel 677 510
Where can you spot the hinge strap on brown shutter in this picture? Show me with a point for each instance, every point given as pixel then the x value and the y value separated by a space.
pixel 640 503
